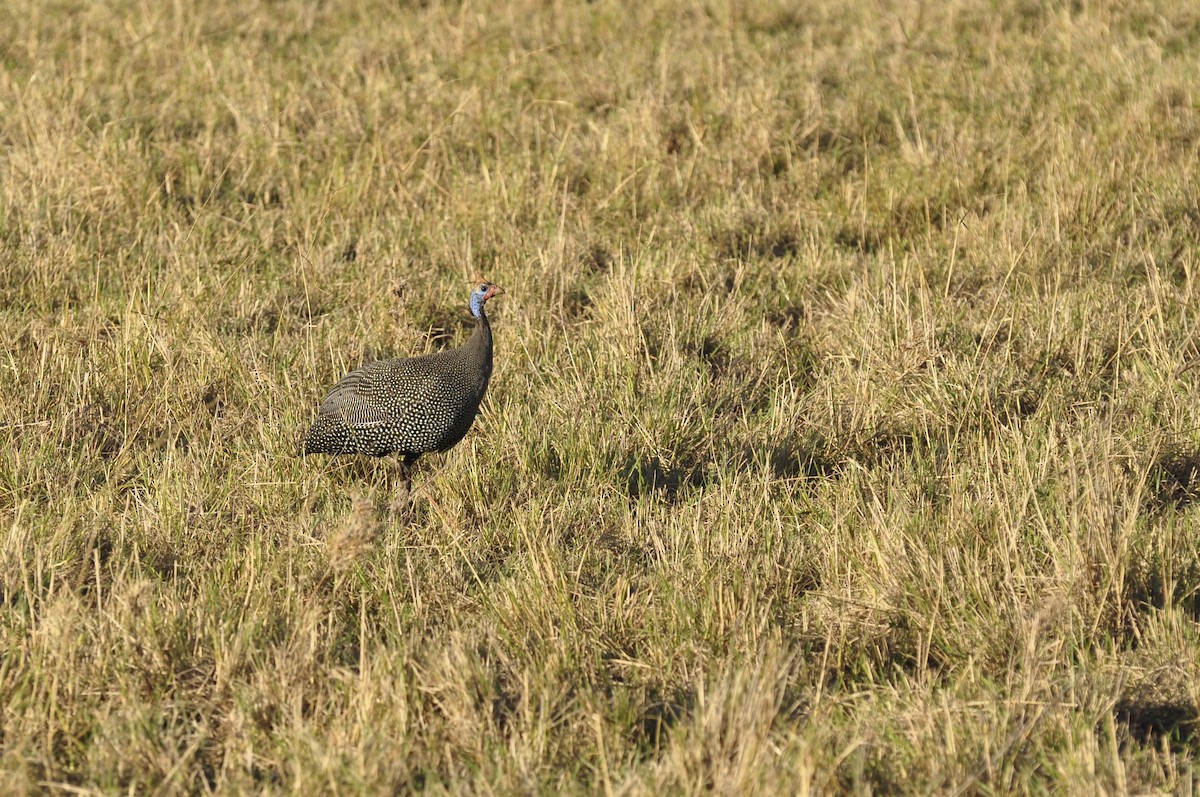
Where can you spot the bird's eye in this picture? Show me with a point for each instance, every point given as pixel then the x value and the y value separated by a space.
pixel 483 288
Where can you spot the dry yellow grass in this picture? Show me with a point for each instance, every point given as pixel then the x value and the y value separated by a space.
pixel 840 439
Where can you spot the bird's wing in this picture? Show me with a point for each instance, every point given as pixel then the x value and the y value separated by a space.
pixel 381 392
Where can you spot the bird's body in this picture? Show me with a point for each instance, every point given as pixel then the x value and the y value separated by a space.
pixel 409 406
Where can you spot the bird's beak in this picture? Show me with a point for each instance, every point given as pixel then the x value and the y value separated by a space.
pixel 495 291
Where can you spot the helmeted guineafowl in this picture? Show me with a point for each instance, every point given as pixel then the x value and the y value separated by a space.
pixel 410 406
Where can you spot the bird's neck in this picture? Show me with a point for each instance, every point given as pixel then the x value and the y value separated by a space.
pixel 483 329
pixel 479 346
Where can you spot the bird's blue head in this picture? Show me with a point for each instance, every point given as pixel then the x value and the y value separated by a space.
pixel 483 291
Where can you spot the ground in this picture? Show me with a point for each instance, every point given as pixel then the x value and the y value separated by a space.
pixel 843 434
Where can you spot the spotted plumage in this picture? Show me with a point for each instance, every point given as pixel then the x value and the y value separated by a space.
pixel 409 406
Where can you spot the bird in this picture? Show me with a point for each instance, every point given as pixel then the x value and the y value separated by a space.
pixel 403 408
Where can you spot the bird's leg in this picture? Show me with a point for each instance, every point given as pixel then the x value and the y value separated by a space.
pixel 424 487
pixel 402 494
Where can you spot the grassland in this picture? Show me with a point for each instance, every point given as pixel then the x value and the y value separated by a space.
pixel 842 436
